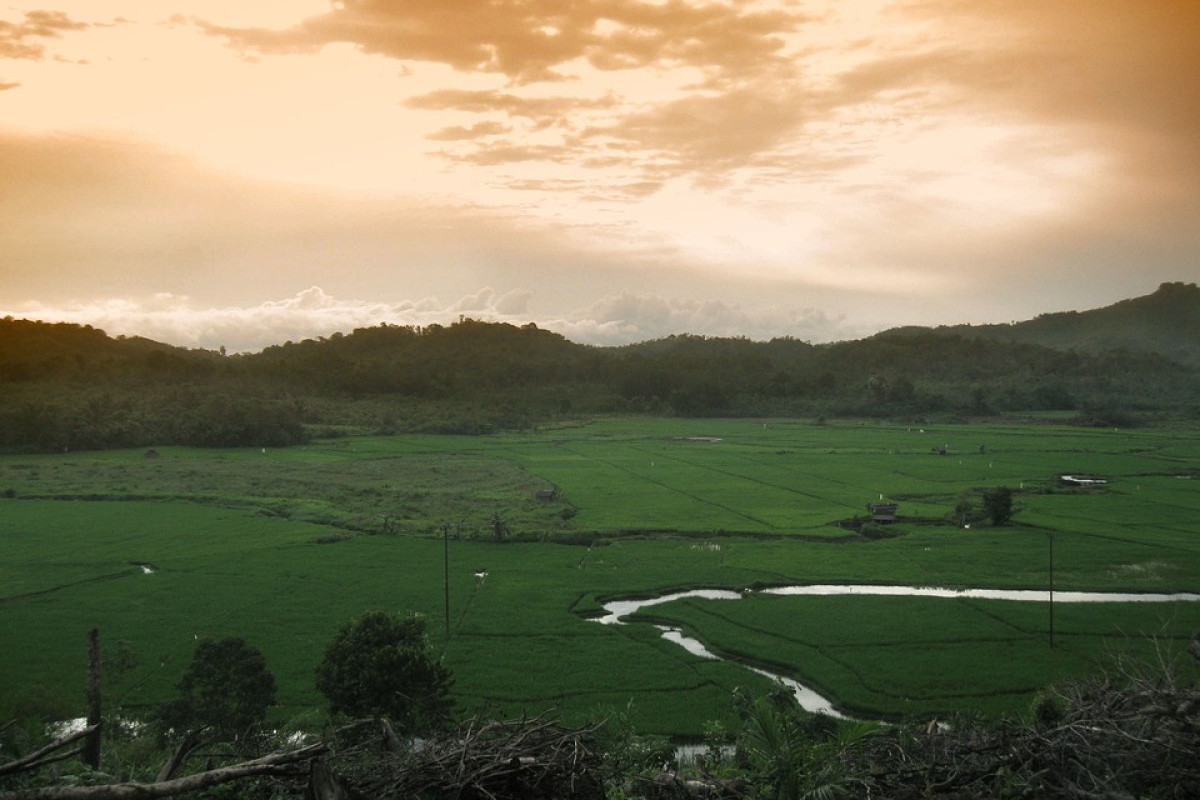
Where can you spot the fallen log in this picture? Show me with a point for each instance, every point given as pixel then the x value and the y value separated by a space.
pixel 42 756
pixel 273 764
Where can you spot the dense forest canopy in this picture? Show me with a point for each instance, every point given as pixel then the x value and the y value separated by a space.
pixel 71 386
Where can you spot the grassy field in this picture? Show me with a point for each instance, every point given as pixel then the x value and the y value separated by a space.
pixel 283 546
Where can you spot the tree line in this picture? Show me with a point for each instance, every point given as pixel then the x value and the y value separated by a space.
pixel 65 386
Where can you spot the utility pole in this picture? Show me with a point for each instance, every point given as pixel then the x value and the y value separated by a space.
pixel 91 747
pixel 1052 589
pixel 446 575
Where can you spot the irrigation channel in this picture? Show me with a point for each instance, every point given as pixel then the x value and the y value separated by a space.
pixel 812 701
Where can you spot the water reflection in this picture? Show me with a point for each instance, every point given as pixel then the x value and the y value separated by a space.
pixel 1027 595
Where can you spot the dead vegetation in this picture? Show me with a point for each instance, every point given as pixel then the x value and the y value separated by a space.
pixel 524 758
pixel 1131 734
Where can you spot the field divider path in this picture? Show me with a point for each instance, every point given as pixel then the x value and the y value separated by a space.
pixel 758 481
pixel 1052 529
pixel 112 576
pixel 676 489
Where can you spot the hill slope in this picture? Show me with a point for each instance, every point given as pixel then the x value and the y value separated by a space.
pixel 1166 322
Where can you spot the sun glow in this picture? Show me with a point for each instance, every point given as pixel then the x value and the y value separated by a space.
pixel 869 145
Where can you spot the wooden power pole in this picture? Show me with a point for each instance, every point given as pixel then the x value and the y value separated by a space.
pixel 90 753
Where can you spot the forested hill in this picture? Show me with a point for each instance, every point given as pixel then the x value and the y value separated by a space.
pixel 1166 322
pixel 70 386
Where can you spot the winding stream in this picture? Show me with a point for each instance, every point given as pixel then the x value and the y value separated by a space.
pixel 810 700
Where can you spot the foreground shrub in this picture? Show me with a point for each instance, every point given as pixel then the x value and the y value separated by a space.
pixel 381 665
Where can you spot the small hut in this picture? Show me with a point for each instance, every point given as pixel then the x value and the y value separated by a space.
pixel 1086 481
pixel 882 512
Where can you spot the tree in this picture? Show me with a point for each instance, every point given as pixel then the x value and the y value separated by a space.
pixel 381 665
pixel 964 510
pixel 499 526
pixel 998 504
pixel 225 692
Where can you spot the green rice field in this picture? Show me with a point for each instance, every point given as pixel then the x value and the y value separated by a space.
pixel 283 546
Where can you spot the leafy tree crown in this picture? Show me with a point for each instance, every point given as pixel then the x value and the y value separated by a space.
pixel 225 691
pixel 381 665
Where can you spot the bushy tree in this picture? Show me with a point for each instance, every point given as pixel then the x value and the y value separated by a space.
pixel 381 665
pixel 964 509
pixel 225 692
pixel 998 504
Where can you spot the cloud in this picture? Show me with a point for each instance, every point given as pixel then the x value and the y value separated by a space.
pixel 477 131
pixel 178 320
pixel 486 302
pixel 1125 77
pixel 110 218
pixel 712 133
pixel 948 159
pixel 20 40
pixel 720 66
pixel 532 41
pixel 312 313
pixel 770 90
pixel 543 112
pixel 631 317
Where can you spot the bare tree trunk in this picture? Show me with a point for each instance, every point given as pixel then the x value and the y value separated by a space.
pixel 391 742
pixel 91 745
pixel 177 759
pixel 322 784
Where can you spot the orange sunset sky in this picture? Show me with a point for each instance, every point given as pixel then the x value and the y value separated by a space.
pixel 224 172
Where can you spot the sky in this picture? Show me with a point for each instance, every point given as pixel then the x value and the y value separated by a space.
pixel 217 173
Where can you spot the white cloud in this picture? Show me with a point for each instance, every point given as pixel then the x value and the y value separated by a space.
pixel 613 320
pixel 485 301
pixel 629 317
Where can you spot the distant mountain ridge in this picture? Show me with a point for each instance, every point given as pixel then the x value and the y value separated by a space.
pixel 71 387
pixel 1166 322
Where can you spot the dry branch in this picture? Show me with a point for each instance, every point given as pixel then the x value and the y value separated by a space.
pixel 527 758
pixel 1109 743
